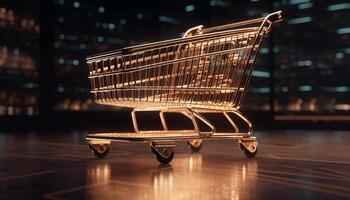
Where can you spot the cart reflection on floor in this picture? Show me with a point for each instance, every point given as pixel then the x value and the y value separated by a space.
pixel 167 182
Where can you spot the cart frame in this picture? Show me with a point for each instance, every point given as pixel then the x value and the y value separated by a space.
pixel 177 76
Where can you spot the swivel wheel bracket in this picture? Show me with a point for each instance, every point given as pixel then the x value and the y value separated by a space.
pixel 163 148
pixel 251 145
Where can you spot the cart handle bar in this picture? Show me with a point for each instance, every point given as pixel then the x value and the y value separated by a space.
pixel 272 18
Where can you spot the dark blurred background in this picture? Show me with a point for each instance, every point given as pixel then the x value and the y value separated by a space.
pixel 301 78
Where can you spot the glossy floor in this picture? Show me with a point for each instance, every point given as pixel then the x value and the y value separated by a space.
pixel 290 165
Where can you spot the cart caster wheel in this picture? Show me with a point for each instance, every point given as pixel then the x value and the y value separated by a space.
pixel 162 159
pixel 249 154
pixel 100 150
pixel 195 145
pixel 250 148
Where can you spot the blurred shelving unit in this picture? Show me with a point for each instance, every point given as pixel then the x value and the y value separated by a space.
pixel 312 59
pixel 18 59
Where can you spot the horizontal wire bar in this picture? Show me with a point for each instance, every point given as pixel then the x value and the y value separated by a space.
pixel 168 88
pixel 170 62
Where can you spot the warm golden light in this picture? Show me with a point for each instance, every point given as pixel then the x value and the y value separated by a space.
pixel 194 184
pixel 98 173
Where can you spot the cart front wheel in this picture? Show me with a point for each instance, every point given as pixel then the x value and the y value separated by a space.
pixel 162 159
pixel 100 150
pixel 195 145
pixel 250 148
pixel 250 154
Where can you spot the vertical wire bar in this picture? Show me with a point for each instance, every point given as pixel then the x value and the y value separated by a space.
pixel 131 81
pixel 176 80
pixel 216 67
pixel 127 78
pixel 225 64
pixel 209 72
pixel 184 70
pixel 145 73
pixel 153 76
pixel 243 74
pixel 102 81
pixel 184 74
pixel 180 73
pixel 149 74
pixel 240 66
pixel 201 92
pixel 112 80
pixel 120 63
pixel 99 78
pixel 188 80
pixel 219 81
pixel 122 79
pixel 93 79
pixel 194 70
pixel 139 77
pixel 248 69
pixel 173 72
pixel 108 79
pixel 217 71
pixel 105 65
pixel 161 79
pixel 211 66
pixel 116 77
pixel 192 74
pixel 160 69
pixel 168 81
pixel 196 83
pixel 235 70
pixel 227 72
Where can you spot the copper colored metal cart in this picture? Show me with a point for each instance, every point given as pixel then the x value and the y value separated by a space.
pixel 205 71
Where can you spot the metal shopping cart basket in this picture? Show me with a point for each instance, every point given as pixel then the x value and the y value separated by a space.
pixel 205 71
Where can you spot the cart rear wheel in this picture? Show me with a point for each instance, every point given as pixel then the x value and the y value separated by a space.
pixel 195 145
pixel 161 158
pixel 100 150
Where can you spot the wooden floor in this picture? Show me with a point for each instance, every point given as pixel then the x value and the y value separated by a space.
pixel 289 165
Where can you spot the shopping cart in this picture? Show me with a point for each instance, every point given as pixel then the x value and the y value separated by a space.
pixel 205 71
